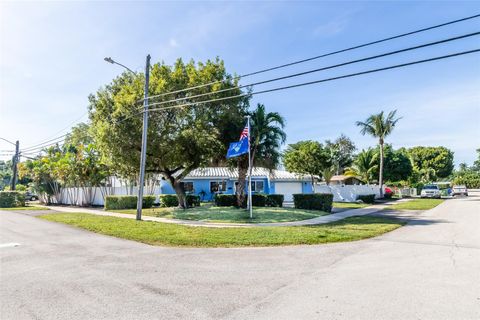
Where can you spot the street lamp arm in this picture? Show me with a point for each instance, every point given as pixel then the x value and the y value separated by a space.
pixel 110 60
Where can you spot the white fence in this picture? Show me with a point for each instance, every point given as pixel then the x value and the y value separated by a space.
pixel 95 196
pixel 348 193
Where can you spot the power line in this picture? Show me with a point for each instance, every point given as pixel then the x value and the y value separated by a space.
pixel 321 69
pixel 321 56
pixel 40 145
pixel 322 80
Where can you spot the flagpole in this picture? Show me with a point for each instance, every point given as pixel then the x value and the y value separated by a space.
pixel 250 206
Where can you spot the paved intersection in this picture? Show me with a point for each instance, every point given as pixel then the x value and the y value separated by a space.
pixel 428 269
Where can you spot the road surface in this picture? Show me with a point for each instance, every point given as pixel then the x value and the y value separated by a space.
pixel 429 269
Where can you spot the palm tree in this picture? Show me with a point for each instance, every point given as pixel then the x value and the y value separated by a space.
pixel 379 126
pixel 363 166
pixel 328 173
pixel 266 136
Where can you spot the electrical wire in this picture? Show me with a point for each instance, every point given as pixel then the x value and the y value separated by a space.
pixel 322 80
pixel 321 56
pixel 322 69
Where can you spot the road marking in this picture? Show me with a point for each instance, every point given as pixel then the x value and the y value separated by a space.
pixel 8 245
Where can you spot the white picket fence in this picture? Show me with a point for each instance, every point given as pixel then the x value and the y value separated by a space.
pixel 348 193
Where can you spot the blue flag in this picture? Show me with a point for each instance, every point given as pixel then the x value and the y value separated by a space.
pixel 237 148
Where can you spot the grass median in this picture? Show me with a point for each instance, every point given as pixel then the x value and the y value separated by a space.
pixel 415 204
pixel 32 208
pixel 210 213
pixel 166 234
pixel 350 205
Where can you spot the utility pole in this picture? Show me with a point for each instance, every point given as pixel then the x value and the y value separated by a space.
pixel 14 166
pixel 143 154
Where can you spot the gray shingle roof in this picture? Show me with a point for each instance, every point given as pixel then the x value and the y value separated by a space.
pixel 227 173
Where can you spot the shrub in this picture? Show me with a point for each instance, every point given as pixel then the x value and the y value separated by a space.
pixel 148 201
pixel 259 200
pixel 315 201
pixel 366 198
pixel 168 200
pixel 275 200
pixel 127 202
pixel 9 199
pixel 225 200
pixel 120 202
pixel 193 200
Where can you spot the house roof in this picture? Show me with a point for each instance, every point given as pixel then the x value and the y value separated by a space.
pixel 228 173
pixel 341 177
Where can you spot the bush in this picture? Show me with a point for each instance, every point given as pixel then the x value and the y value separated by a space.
pixel 275 200
pixel 225 200
pixel 127 202
pixel 10 199
pixel 193 200
pixel 366 198
pixel 120 202
pixel 148 201
pixel 259 200
pixel 168 200
pixel 315 201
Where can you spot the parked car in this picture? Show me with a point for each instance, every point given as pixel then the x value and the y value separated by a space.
pixel 430 191
pixel 30 196
pixel 460 190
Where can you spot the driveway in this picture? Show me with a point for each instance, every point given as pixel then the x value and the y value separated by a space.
pixel 428 269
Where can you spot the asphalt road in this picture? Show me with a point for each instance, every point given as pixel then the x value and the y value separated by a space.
pixel 429 269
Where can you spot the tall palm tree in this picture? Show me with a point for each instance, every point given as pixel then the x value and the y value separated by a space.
pixel 379 126
pixel 363 166
pixel 266 137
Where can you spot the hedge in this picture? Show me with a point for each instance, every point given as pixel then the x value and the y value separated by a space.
pixel 168 200
pixel 259 200
pixel 127 202
pixel 193 200
pixel 275 200
pixel 225 200
pixel 366 198
pixel 315 201
pixel 10 199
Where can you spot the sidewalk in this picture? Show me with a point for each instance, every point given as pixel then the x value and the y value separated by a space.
pixel 319 220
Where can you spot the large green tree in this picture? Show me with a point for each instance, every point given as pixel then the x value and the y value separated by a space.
pixel 397 164
pixel 307 157
pixel 379 126
pixel 438 159
pixel 180 139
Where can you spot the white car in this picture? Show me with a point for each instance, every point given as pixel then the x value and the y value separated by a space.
pixel 460 190
pixel 430 191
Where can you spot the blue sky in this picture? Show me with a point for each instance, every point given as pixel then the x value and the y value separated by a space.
pixel 51 59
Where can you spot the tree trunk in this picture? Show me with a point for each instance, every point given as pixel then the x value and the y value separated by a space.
pixel 242 180
pixel 313 183
pixel 380 178
pixel 179 191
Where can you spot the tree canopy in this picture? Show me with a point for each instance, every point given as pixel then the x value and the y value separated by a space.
pixel 179 139
pixel 439 159
pixel 307 157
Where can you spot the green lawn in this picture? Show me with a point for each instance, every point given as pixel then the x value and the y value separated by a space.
pixel 212 213
pixel 166 234
pixel 415 204
pixel 350 205
pixel 25 208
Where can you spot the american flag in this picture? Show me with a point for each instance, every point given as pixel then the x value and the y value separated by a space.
pixel 244 133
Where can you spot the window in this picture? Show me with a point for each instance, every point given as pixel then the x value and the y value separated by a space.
pixel 187 186
pixel 257 186
pixel 218 186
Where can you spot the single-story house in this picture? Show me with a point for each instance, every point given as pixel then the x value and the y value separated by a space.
pixel 209 181
pixel 344 180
